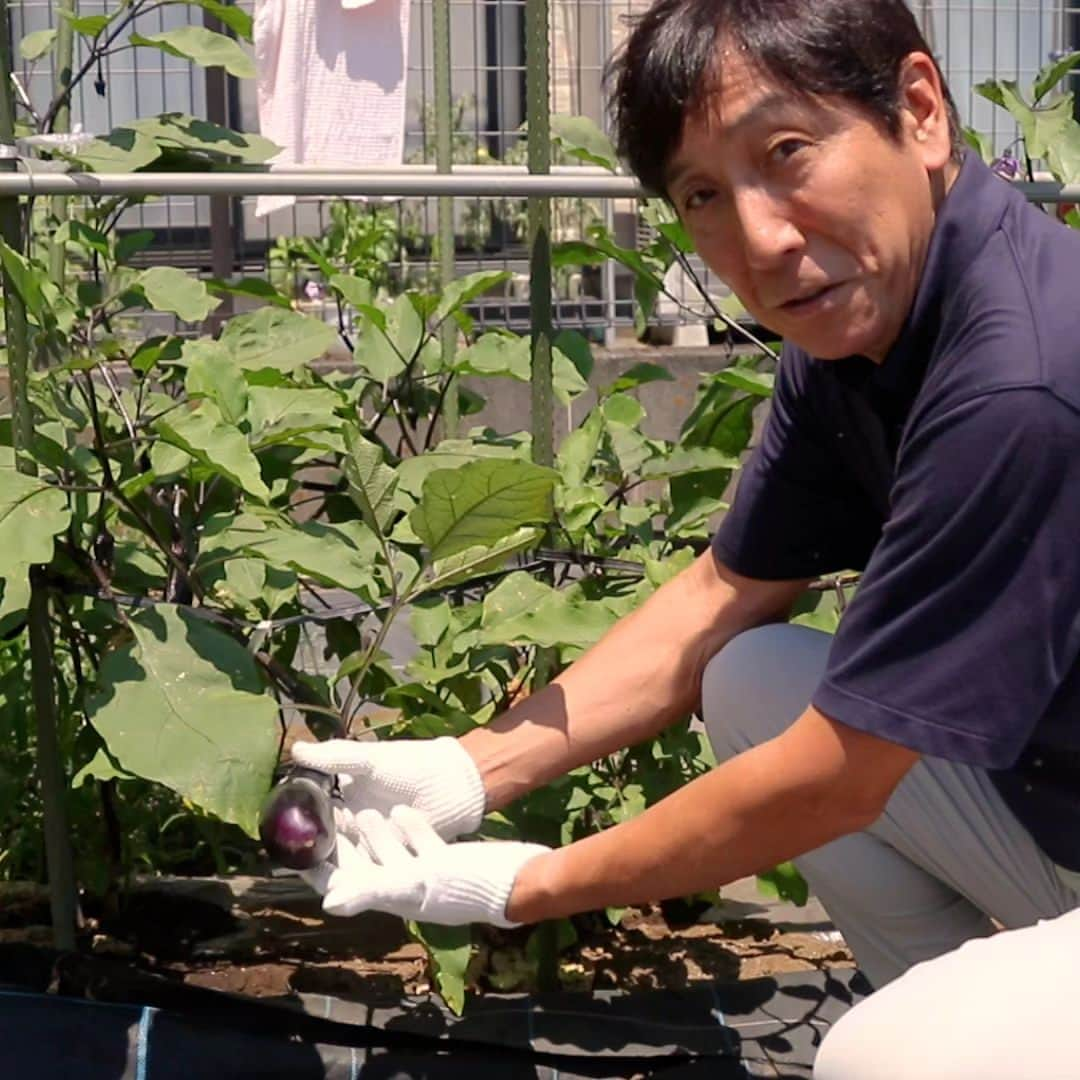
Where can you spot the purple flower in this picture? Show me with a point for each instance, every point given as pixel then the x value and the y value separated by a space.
pixel 1006 166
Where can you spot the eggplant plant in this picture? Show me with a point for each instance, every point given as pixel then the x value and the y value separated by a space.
pixel 202 498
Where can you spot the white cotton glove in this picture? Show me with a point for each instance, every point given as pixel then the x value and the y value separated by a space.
pixel 436 776
pixel 402 866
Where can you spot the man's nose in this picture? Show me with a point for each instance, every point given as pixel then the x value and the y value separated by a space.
pixel 767 231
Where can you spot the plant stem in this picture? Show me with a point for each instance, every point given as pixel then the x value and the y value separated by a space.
pixel 42 665
pixel 727 320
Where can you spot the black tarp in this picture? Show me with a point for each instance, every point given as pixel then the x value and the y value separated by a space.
pixel 95 1019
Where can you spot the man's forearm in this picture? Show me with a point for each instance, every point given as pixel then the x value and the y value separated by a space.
pixel 642 676
pixel 816 782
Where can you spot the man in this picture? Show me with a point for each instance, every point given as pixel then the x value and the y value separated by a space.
pixel 923 767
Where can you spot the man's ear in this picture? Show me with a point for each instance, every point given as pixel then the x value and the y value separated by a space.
pixel 924 110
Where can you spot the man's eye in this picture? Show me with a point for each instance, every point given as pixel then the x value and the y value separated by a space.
pixel 787 149
pixel 695 200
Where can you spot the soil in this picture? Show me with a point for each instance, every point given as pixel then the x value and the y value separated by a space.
pixel 272 940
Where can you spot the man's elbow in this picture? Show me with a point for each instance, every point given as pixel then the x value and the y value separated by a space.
pixel 856 772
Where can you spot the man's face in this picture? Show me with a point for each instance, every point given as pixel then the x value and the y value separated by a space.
pixel 815 216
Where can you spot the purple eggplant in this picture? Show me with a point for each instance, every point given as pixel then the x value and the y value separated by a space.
pixel 296 823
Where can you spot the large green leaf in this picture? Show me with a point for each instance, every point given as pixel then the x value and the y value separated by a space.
pixel 88 25
pixel 190 133
pixel 477 561
pixel 1053 73
pixel 622 410
pixel 517 594
pixel 355 290
pixel 254 587
pixel 221 447
pixel 255 288
pixel 277 413
pixel 183 705
pixel 758 383
pixel 450 949
pixel 581 138
pixel 204 47
pixel 167 460
pixel 636 376
pixel 429 620
pixel 695 497
pixel 278 339
pixel 25 277
pixel 567 380
pixel 1040 127
pixel 509 355
pixel 577 348
pixel 496 354
pixel 171 290
pixel 154 351
pixel 123 150
pixel 578 450
pixel 371 480
pixel 784 882
pixel 1063 154
pixel 31 514
pixel 332 555
pixel 36 44
pixel 452 454
pixel 720 418
pixel 214 374
pixel 383 352
pixel 458 293
pixel 563 618
pixel 480 503
pixel 688 459
pixel 235 18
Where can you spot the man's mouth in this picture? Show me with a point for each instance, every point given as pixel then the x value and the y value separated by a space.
pixel 810 301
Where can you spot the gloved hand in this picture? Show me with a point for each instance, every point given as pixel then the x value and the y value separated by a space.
pixel 401 865
pixel 436 776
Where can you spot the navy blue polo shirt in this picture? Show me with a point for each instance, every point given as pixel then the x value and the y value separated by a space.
pixel 950 475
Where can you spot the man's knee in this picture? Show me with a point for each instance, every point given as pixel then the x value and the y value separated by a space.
pixel 761 681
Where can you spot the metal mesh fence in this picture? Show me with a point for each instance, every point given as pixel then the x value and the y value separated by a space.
pixel 974 40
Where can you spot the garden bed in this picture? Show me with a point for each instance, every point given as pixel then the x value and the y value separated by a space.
pixel 269 938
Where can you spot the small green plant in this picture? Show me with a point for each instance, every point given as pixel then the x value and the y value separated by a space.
pixel 1049 131
pixel 361 240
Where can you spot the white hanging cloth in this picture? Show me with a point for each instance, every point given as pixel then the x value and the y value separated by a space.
pixel 331 80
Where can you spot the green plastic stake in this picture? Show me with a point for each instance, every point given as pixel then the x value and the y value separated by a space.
pixel 42 671
pixel 444 121
pixel 537 112
pixel 63 55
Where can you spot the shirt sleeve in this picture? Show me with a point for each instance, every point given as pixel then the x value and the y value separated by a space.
pixel 967 619
pixel 796 512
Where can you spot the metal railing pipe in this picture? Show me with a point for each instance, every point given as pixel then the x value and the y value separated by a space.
pixel 327 184
pixel 484 181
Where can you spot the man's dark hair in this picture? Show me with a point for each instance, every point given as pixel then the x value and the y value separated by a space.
pixel 671 62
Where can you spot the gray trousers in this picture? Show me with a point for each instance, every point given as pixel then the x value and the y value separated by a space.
pixel 916 897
